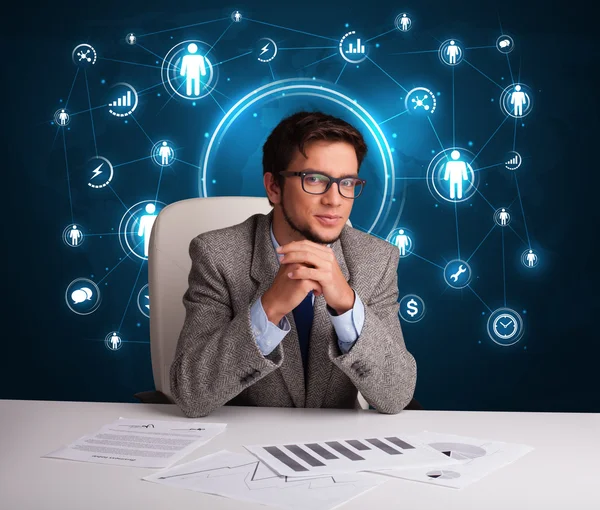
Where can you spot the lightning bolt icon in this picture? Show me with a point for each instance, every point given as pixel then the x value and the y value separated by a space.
pixel 97 171
pixel 264 49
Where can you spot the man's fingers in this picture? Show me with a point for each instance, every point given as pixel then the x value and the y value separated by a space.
pixel 317 260
pixel 304 245
pixel 317 289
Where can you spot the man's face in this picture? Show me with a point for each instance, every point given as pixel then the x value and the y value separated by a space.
pixel 300 209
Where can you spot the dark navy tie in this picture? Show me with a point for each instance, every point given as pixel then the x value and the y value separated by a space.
pixel 303 316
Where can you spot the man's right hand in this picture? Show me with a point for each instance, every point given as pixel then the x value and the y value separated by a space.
pixel 286 293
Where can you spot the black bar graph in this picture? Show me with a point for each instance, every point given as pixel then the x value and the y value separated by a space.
pixel 323 452
pixel 305 456
pixel 384 447
pixel 347 455
pixel 282 457
pixel 340 448
pixel 357 444
pixel 398 442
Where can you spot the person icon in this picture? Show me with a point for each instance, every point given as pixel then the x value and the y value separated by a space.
pixel 75 235
pixel 402 242
pixel 166 153
pixel 63 117
pixel 452 51
pixel 503 216
pixel 145 228
pixel 237 17
pixel 192 67
pixel 115 341
pixel 131 39
pixel 531 258
pixel 518 99
pixel 456 173
pixel 404 23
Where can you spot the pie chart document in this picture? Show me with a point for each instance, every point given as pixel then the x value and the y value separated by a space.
pixel 476 459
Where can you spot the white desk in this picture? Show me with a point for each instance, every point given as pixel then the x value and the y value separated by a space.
pixel 562 472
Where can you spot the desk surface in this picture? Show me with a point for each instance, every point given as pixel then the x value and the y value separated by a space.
pixel 562 472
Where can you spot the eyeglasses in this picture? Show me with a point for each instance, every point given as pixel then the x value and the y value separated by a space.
pixel 317 183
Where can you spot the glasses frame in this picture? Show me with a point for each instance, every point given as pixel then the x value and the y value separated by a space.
pixel 289 173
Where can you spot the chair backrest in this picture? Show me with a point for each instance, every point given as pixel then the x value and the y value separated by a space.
pixel 169 265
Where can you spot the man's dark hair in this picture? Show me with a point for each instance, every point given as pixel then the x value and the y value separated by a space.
pixel 301 128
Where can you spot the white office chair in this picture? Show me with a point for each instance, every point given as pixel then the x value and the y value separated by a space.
pixel 169 265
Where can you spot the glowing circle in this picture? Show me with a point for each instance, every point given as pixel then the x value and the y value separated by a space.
pixel 83 296
pixel 505 327
pixel 135 228
pixel 143 301
pixel 189 59
pixel 113 341
pixel 307 88
pixel 163 153
pixel 516 100
pixel 84 55
pixel 62 117
pixel 445 176
pixel 505 44
pixel 359 49
pixel 123 100
pixel 451 52
pixel 458 274
pixel 403 239
pixel 73 235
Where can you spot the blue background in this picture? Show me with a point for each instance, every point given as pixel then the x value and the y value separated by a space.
pixel 51 353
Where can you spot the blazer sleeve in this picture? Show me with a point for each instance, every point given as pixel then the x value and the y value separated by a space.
pixel 378 364
pixel 217 356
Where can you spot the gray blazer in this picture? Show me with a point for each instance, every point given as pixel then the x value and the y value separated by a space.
pixel 217 360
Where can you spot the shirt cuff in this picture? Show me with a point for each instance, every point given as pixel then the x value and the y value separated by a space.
pixel 266 334
pixel 348 325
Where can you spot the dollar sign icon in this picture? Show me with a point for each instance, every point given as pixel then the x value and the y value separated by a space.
pixel 411 308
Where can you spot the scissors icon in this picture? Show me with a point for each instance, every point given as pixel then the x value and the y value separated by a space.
pixel 461 269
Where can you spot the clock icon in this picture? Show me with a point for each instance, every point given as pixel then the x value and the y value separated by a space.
pixel 505 326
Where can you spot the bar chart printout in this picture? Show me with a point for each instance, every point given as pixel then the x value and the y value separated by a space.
pixel 348 455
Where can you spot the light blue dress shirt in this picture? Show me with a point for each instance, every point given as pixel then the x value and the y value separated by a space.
pixel 268 335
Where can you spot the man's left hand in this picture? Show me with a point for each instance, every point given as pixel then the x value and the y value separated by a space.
pixel 321 265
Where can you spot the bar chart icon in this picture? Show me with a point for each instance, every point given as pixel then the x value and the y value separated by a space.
pixel 123 101
pixel 352 48
pixel 513 160
pixel 359 48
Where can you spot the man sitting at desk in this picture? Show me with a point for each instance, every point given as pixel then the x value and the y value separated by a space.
pixel 295 308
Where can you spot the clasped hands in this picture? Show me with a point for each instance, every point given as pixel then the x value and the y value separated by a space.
pixel 320 265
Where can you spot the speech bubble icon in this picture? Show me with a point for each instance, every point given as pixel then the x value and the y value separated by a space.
pixel 80 295
pixel 504 43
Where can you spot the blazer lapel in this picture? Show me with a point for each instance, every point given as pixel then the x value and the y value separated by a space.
pixel 321 336
pixel 264 268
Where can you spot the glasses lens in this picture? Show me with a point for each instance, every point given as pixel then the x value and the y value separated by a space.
pixel 318 183
pixel 350 188
pixel 315 183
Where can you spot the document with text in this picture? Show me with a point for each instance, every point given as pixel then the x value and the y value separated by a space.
pixel 141 443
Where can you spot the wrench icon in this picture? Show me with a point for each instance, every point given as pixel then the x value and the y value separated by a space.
pixel 461 269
